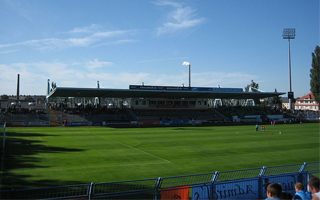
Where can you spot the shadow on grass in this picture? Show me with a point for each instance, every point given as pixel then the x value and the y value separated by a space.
pixel 19 152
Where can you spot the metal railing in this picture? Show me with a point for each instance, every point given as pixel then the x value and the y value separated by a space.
pixel 169 182
pixel 58 192
pixel 246 183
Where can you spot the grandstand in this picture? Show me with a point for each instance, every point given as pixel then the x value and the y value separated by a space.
pixel 145 105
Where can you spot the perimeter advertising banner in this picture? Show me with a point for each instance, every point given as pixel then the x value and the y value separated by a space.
pixel 241 189
pixel 202 192
pixel 177 193
pixel 251 188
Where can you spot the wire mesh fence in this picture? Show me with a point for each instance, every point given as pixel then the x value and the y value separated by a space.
pixel 283 169
pixel 238 174
pixel 246 183
pixel 186 180
pixel 313 167
pixel 60 192
pixel 142 189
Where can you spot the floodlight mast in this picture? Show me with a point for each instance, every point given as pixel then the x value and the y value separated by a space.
pixel 185 63
pixel 189 75
pixel 289 34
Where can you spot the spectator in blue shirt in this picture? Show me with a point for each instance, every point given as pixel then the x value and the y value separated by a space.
pixel 300 194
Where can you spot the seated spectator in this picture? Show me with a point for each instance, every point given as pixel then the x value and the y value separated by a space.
pixel 286 196
pixel 274 191
pixel 314 185
pixel 300 194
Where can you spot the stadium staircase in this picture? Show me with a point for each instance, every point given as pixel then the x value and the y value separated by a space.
pixel 55 118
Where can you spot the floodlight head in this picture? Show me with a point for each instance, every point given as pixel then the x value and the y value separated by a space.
pixel 185 63
pixel 289 33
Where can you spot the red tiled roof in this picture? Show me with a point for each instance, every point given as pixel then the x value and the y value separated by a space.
pixel 307 96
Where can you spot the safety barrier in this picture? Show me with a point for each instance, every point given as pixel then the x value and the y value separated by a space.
pixel 235 184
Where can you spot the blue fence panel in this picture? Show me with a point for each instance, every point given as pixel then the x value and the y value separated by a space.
pixel 239 189
pixel 202 192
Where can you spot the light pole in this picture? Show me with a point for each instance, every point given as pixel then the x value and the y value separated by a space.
pixel 48 86
pixel 288 34
pixel 185 63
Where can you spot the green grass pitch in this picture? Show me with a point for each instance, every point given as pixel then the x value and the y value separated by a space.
pixel 70 155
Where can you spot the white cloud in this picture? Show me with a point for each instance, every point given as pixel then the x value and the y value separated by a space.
pixel 168 3
pixel 177 59
pixel 124 41
pixel 8 51
pixel 34 77
pixel 204 79
pixel 89 39
pixel 181 18
pixel 224 79
pixel 116 42
pixel 96 63
pixel 118 80
pixel 86 29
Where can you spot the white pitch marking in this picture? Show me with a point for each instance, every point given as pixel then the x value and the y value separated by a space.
pixel 150 154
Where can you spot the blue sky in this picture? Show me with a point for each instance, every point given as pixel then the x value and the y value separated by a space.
pixel 122 42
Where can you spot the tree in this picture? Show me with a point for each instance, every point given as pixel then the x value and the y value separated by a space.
pixel 277 102
pixel 4 97
pixel 315 74
pixel 252 85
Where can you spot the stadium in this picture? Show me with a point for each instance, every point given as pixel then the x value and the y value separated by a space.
pixel 105 107
pixel 121 143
